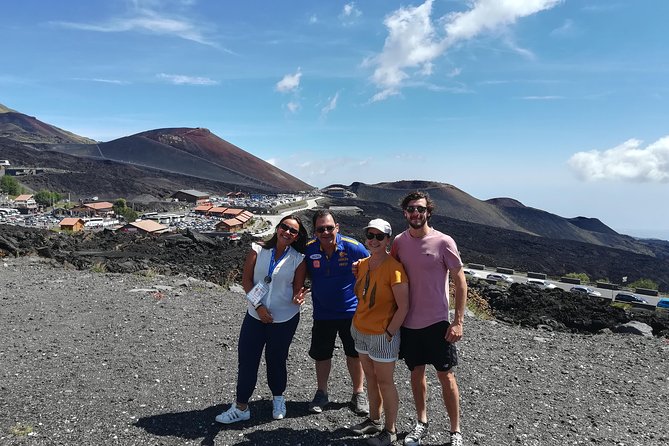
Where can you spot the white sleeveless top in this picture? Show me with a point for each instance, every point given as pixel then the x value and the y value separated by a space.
pixel 279 299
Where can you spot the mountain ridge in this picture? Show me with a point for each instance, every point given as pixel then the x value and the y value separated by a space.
pixel 156 163
pixel 504 213
pixel 193 152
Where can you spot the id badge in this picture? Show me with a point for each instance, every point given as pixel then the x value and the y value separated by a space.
pixel 257 293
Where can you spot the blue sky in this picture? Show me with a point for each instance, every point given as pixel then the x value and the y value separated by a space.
pixel 561 104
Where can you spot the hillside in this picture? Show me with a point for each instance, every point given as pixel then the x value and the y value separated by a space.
pixel 156 163
pixel 503 213
pixel 497 247
pixel 109 180
pixel 194 152
pixel 186 152
pixel 28 129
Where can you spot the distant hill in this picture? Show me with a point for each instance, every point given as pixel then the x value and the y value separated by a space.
pixel 157 163
pixel 497 247
pixel 85 177
pixel 195 152
pixel 28 129
pixel 189 152
pixel 503 213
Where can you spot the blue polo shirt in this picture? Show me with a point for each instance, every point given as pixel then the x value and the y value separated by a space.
pixel 332 279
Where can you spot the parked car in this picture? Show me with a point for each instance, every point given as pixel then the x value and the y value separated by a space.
pixel 499 277
pixel 629 297
pixel 541 284
pixel 470 273
pixel 585 291
pixel 662 308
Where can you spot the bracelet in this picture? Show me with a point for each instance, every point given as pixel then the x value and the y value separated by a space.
pixel 258 306
pixel 388 333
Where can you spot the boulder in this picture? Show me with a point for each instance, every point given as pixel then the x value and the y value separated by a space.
pixel 635 327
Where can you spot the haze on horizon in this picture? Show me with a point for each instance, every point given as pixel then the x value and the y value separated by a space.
pixel 560 104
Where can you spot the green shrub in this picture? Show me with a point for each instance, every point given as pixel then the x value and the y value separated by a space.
pixel 582 276
pixel 21 430
pixel 99 267
pixel 644 283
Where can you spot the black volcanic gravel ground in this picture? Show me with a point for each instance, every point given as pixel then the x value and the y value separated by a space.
pixel 123 359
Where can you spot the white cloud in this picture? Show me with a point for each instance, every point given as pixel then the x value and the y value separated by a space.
pixel 350 13
pixel 455 72
pixel 103 81
pixel 413 44
pixel 293 106
pixel 180 79
pixel 313 19
pixel 567 29
pixel 290 82
pixel 271 161
pixel 143 18
pixel 542 98
pixel 331 105
pixel 490 15
pixel 628 162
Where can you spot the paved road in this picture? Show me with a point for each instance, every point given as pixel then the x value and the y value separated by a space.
pixel 274 219
pixel 606 294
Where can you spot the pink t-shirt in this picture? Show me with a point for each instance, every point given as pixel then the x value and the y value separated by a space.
pixel 427 261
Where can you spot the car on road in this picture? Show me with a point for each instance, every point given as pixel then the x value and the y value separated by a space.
pixel 662 308
pixel 499 277
pixel 585 291
pixel 470 273
pixel 541 284
pixel 629 297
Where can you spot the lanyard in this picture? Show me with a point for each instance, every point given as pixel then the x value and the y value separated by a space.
pixel 273 263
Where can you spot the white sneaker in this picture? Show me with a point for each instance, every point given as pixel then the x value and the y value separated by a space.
pixel 279 409
pixel 233 415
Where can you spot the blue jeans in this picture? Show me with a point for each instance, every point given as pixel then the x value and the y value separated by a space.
pixel 275 339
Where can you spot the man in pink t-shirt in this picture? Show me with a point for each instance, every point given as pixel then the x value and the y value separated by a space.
pixel 429 257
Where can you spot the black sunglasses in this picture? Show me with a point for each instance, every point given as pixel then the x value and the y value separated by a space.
pixel 420 209
pixel 322 229
pixel 285 227
pixel 379 237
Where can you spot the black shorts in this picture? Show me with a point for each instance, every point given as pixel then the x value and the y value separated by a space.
pixel 323 335
pixel 428 346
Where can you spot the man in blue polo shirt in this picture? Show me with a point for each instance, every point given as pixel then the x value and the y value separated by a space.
pixel 330 257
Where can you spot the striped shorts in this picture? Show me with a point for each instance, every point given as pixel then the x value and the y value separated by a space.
pixel 376 346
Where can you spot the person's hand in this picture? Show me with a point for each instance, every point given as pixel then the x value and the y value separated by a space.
pixel 298 299
pixel 264 314
pixel 454 332
pixel 354 268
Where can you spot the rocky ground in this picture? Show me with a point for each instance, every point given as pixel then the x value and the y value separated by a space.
pixel 220 261
pixel 146 359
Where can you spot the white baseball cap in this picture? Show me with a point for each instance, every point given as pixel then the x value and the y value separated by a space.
pixel 381 225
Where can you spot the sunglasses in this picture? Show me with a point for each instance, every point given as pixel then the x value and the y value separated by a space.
pixel 285 227
pixel 379 237
pixel 322 229
pixel 411 209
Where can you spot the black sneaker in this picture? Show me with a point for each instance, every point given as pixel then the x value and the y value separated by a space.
pixel 360 404
pixel 319 402
pixel 368 426
pixel 385 438
pixel 414 437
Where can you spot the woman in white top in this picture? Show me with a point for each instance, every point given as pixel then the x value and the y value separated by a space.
pixel 273 278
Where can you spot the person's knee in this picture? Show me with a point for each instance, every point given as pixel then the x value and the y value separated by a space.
pixel 447 379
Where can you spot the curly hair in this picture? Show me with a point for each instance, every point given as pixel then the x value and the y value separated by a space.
pixel 417 195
